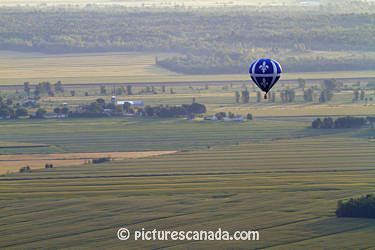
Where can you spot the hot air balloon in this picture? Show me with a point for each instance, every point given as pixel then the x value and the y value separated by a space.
pixel 265 73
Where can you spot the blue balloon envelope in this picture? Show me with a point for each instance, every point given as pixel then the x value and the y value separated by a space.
pixel 265 73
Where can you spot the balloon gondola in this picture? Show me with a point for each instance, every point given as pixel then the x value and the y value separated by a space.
pixel 265 73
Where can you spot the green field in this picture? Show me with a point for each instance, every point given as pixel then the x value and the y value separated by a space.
pixel 17 68
pixel 119 134
pixel 276 176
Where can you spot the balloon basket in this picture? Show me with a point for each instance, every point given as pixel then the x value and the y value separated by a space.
pixel 265 96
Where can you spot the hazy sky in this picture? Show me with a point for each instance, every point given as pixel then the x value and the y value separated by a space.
pixel 139 3
pixel 149 2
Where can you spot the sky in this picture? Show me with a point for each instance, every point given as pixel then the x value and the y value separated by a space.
pixel 140 3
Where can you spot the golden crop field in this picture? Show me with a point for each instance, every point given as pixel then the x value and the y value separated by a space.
pixel 12 163
pixel 17 67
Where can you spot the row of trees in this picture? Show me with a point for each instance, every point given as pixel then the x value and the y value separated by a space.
pixel 173 111
pixel 99 107
pixel 286 96
pixel 222 115
pixel 342 122
pixel 10 110
pixel 363 207
pixel 49 89
pixel 43 88
pixel 127 90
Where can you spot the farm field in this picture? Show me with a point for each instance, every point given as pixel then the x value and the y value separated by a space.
pixel 274 174
pixel 12 163
pixel 141 115
pixel 129 134
pixel 218 100
pixel 17 68
pixel 287 188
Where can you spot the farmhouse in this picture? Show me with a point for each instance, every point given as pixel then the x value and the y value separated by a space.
pixel 138 104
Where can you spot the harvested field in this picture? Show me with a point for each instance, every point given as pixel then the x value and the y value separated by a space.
pixel 12 163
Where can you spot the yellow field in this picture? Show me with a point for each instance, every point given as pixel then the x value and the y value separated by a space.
pixel 12 163
pixel 16 68
pixel 303 110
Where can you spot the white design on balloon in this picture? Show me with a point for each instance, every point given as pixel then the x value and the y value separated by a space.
pixel 263 67
pixel 264 82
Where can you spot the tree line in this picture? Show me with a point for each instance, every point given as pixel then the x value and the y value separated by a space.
pixel 363 207
pixel 342 122
pixel 100 108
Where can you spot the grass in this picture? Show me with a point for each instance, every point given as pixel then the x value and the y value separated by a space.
pixel 287 189
pixel 16 68
pixel 106 135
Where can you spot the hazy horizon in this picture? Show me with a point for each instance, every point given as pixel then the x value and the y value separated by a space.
pixel 170 3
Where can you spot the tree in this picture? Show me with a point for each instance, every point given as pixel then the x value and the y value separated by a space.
pixel 65 110
pixel 273 97
pixel 290 95
pixel 57 110
pixel 237 96
pixel 325 96
pixel 37 91
pixel 103 90
pixel 245 96
pixel 317 123
pixel 249 116
pixel 371 120
pixel 26 88
pixel 308 95
pixel 283 96
pixel 356 95
pixel 40 113
pixel 197 108
pixel 45 88
pixel 220 116
pixel 362 95
pixel 301 83
pixel 259 96
pixel 72 92
pixel 349 122
pixel 330 84
pixel 129 89
pixel 21 112
pixel 363 207
pixel 59 87
pixel 119 91
pixel 328 123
